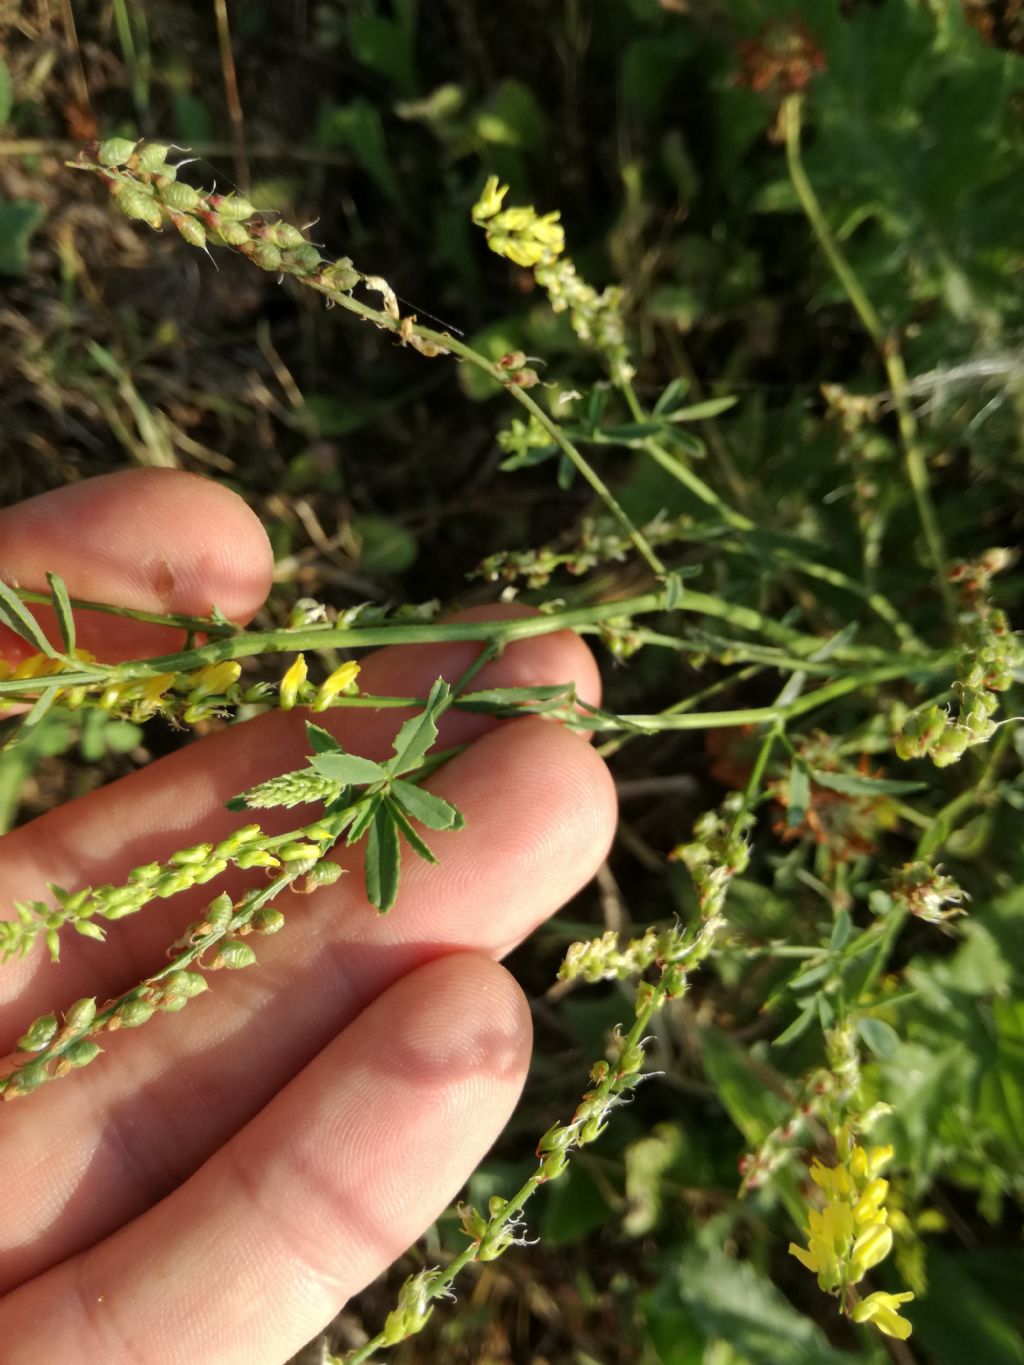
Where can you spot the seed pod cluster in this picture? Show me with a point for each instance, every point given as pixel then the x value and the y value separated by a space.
pixel 145 187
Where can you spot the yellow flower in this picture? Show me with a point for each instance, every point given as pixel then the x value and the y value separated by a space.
pixel 154 688
pixel 834 1180
pixel 292 681
pixel 871 1246
pixel 490 200
pixel 866 1165
pixel 337 682
pixel 214 679
pixel 868 1205
pixel 829 1233
pixel 884 1311
pixel 37 666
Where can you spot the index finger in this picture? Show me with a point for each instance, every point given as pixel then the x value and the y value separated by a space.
pixel 154 540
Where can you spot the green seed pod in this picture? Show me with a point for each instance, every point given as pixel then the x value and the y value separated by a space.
pixel 152 156
pixel 173 1004
pixel 191 229
pixel 233 955
pixel 303 260
pixel 325 873
pixel 81 1014
pixel 135 203
pixel 134 1013
pixel 79 1054
pixel 115 151
pixel 341 275
pixel 219 911
pixel 31 1077
pixel 266 256
pixel 268 921
pixel 181 197
pixel 284 235
pixel 185 984
pixel 39 1034
pixel 231 206
pixel 231 234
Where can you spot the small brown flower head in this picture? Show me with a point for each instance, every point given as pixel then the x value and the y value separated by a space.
pixel 782 60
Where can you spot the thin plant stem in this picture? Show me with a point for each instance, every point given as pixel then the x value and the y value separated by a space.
pixel 230 80
pixel 885 344
pixel 449 343
pixel 738 521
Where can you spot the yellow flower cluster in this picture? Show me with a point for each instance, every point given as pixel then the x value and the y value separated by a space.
pixel 526 237
pixel 136 699
pixel 296 691
pixel 851 1234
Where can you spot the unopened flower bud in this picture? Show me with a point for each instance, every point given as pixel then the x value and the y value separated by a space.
pixel 293 680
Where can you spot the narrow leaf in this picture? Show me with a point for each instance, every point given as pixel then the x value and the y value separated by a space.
pixel 673 393
pixel 41 707
pixel 419 733
pixel 701 412
pixel 841 931
pixel 414 840
pixel 855 784
pixel 62 606
pixel 506 696
pixel 430 810
pixel 382 860
pixel 347 768
pixel 15 615
pixel 797 796
pixel 364 812
pixel 881 1038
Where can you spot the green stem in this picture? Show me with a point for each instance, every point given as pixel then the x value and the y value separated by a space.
pixel 195 624
pixel 739 522
pixel 449 343
pixel 814 569
pixel 245 644
pixel 888 350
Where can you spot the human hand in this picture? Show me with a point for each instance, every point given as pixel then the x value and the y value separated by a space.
pixel 217 1186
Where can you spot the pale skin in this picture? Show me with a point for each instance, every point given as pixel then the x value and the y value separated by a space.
pixel 220 1182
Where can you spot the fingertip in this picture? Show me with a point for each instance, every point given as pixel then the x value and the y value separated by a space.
pixel 153 540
